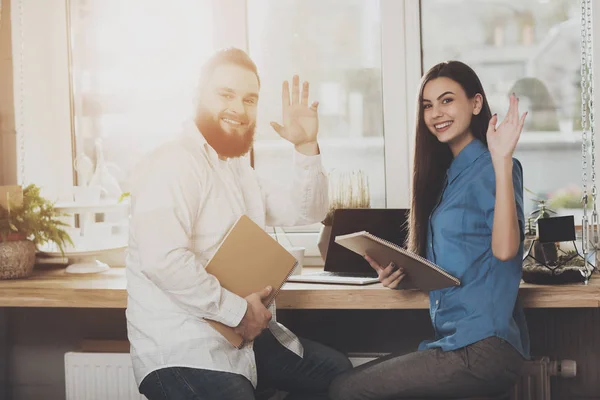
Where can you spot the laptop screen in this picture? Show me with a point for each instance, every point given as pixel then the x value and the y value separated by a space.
pixel 387 223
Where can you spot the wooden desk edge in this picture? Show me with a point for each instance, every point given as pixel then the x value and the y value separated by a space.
pixel 54 288
pixel 288 299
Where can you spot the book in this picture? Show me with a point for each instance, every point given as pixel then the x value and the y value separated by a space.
pixel 247 261
pixel 420 273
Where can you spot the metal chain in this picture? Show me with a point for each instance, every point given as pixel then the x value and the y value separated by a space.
pixel 21 129
pixel 589 237
pixel 590 65
pixel 584 127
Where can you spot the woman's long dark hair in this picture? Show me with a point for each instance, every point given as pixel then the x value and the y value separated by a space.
pixel 432 158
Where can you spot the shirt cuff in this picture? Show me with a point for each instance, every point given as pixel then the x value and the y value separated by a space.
pixel 307 162
pixel 232 308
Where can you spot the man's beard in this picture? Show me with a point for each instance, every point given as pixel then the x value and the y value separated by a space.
pixel 229 145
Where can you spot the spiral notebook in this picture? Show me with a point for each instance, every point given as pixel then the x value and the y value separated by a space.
pixel 420 273
pixel 247 261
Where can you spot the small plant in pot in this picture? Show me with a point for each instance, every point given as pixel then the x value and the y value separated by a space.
pixel 545 252
pixel 24 225
pixel 346 190
pixel 568 201
pixel 549 262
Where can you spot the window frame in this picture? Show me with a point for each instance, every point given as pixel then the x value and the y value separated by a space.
pixel 43 99
pixel 401 70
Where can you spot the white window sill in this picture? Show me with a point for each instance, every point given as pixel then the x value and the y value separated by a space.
pixel 541 141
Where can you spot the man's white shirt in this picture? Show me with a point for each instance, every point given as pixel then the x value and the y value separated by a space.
pixel 184 200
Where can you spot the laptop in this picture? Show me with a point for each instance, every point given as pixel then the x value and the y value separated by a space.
pixel 343 266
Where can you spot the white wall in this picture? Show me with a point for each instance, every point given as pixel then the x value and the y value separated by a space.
pixel 41 93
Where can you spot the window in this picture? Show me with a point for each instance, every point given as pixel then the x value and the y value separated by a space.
pixel 529 47
pixel 342 52
pixel 135 66
pixel 130 87
pixel 339 53
pixel 129 69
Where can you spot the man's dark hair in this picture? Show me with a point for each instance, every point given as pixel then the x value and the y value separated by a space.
pixel 230 55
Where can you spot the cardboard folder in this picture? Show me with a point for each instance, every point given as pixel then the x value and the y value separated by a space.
pixel 247 261
pixel 420 272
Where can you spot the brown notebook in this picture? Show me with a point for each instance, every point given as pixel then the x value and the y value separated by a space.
pixel 420 272
pixel 247 261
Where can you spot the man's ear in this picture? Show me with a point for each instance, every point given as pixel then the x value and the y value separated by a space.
pixel 477 103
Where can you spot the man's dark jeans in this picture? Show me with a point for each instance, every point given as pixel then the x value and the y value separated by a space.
pixel 277 367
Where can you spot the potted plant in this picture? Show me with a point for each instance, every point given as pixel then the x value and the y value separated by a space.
pixel 24 226
pixel 567 201
pixel 545 252
pixel 346 190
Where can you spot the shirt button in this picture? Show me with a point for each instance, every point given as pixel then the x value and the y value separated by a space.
pixel 437 302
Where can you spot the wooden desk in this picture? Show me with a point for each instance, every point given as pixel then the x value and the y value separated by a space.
pixel 55 288
pixel 563 323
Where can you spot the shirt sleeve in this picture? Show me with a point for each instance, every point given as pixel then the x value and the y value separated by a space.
pixel 165 200
pixel 305 201
pixel 486 194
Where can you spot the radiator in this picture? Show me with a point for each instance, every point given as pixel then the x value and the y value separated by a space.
pixel 535 381
pixel 109 376
pixel 100 376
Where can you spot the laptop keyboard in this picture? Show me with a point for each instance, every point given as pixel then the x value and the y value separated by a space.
pixel 350 278
pixel 345 274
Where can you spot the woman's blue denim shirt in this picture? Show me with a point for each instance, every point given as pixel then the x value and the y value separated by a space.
pixel 459 239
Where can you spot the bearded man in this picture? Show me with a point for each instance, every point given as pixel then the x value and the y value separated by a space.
pixel 185 197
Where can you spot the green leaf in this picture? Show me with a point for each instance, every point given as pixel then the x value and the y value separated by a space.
pixel 123 196
pixel 35 218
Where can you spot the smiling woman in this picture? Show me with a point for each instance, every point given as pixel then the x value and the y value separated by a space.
pixel 449 114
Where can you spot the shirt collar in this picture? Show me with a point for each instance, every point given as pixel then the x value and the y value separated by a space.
pixel 466 157
pixel 191 130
